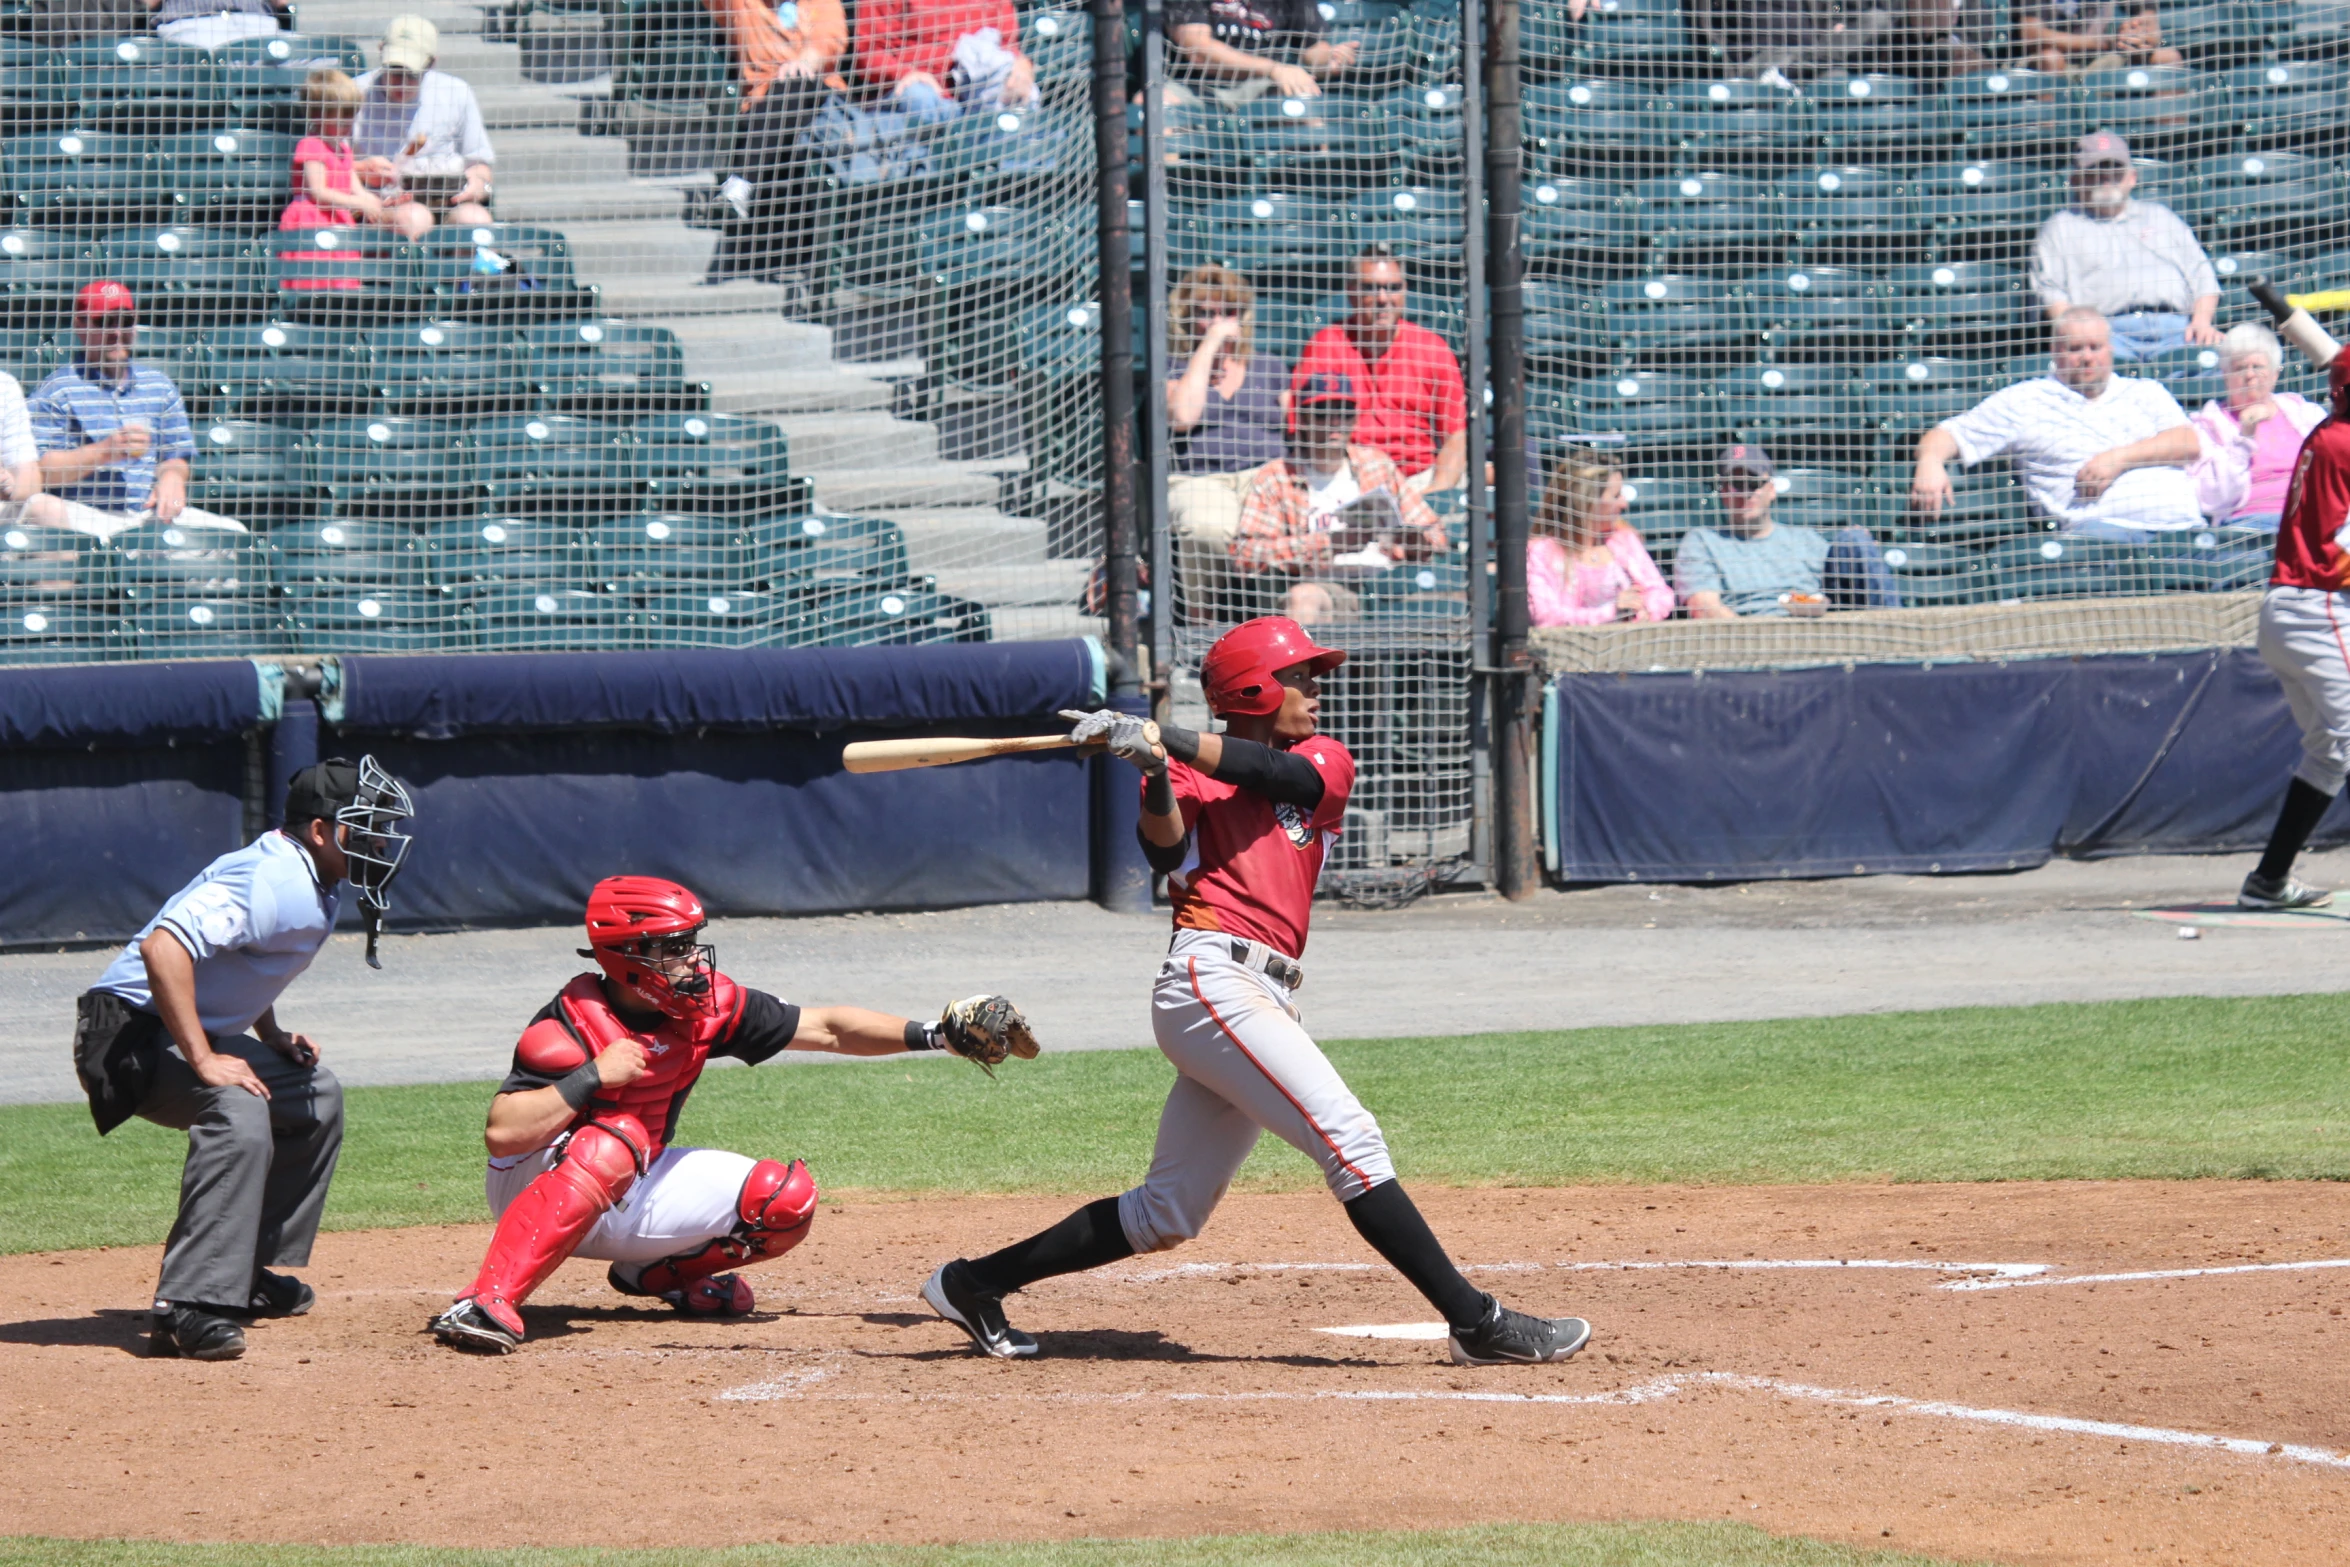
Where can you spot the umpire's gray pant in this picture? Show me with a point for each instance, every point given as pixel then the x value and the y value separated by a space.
pixel 257 1171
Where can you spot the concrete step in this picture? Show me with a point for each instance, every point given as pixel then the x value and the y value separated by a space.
pixel 566 205
pixel 954 538
pixel 1055 624
pixel 481 63
pixel 366 18
pixel 1044 582
pixel 792 392
pixel 531 106
pixel 838 442
pixel 735 344
pixel 562 156
pixel 877 489
pixel 642 252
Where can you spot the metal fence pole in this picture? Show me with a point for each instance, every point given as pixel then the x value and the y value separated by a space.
pixel 1515 869
pixel 1479 501
pixel 1154 260
pixel 1109 143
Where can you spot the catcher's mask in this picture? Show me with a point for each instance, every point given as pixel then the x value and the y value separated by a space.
pixel 367 805
pixel 645 933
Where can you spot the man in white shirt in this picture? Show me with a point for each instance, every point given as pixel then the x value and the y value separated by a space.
pixel 2136 262
pixel 424 127
pixel 182 1030
pixel 2102 455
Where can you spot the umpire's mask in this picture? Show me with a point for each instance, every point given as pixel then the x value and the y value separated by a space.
pixel 370 803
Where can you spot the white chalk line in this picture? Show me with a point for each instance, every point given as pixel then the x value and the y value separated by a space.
pixel 1395 1330
pixel 1997 1270
pixel 795 1386
pixel 2144 1274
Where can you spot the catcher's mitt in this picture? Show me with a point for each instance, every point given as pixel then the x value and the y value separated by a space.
pixel 986 1029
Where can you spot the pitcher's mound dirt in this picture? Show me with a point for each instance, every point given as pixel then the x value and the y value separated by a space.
pixel 1193 1392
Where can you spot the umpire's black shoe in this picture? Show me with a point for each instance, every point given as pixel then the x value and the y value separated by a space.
pixel 1509 1337
pixel 953 1296
pixel 280 1295
pixel 194 1333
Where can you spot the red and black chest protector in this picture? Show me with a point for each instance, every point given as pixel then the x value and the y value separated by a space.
pixel 675 1050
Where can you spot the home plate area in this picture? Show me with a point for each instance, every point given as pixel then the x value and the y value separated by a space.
pixel 2083 1372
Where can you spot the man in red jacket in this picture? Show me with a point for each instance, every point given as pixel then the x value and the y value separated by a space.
pixel 581 1158
pixel 2305 638
pixel 936 58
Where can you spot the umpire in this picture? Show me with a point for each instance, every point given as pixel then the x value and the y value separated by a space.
pixel 182 1029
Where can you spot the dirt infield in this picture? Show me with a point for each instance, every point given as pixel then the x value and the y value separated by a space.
pixel 1988 1396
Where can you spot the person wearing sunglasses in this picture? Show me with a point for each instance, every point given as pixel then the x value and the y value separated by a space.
pixel 1413 405
pixel 1747 563
pixel 182 1030
pixel 421 129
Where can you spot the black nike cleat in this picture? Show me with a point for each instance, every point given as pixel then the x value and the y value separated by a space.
pixel 951 1294
pixel 1507 1338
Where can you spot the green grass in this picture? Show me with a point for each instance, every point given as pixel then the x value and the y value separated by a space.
pixel 2178 1088
pixel 1519 1545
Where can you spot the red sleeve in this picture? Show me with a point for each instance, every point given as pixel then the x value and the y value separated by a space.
pixel 1337 765
pixel 313 149
pixel 1185 779
pixel 881 41
pixel 1452 397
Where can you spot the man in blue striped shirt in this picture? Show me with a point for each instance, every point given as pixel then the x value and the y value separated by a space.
pixel 114 435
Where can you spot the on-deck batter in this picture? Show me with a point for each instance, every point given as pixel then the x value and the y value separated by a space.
pixel 1240 822
pixel 2305 638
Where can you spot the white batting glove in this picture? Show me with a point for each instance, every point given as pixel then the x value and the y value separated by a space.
pixel 1123 735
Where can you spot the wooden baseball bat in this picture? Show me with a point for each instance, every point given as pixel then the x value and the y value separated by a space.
pixel 891 756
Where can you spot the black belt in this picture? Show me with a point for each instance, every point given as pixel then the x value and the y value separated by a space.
pixel 2148 310
pixel 1275 967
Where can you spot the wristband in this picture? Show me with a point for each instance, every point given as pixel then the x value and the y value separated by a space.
pixel 1158 794
pixel 580 1085
pixel 923 1036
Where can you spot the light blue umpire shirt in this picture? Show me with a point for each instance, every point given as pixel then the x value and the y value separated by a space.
pixel 253 921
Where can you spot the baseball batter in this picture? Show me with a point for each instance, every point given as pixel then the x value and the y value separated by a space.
pixel 580 1133
pixel 2305 638
pixel 1240 822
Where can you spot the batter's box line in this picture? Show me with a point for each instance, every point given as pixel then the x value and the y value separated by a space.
pixel 2144 1274
pixel 1995 1270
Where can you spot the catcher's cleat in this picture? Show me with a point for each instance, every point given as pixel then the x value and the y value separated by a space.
pixel 280 1295
pixel 1509 1337
pixel 194 1333
pixel 485 1329
pixel 2259 893
pixel 722 1295
pixel 976 1312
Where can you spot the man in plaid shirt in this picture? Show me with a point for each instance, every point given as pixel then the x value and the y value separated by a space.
pixel 1331 511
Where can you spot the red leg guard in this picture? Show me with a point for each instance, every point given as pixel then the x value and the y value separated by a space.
pixel 554 1213
pixel 777 1205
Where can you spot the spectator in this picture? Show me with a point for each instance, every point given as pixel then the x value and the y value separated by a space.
pixel 327 190
pixel 1332 510
pixel 420 129
pixel 1249 47
pixel 1584 566
pixel 1750 564
pixel 2075 37
pixel 208 24
pixel 788 60
pixel 1226 411
pixel 2103 455
pixel 934 58
pixel 2133 262
pixel 115 447
pixel 1413 406
pixel 2251 441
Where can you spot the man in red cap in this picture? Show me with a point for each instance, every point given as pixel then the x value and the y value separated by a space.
pixel 114 435
pixel 1238 822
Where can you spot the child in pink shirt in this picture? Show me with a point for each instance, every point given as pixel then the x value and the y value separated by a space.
pixel 327 193
pixel 1584 566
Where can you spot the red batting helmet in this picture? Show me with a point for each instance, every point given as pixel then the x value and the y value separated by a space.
pixel 2338 380
pixel 1239 670
pixel 641 932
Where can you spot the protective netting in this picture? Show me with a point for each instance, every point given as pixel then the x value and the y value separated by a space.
pixel 855 406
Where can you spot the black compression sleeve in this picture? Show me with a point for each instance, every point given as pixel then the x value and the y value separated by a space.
pixel 580 1085
pixel 1164 858
pixel 1283 777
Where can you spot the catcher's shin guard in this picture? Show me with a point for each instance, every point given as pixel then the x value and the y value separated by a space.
pixel 554 1213
pixel 777 1205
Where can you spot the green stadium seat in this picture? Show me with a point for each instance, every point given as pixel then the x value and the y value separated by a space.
pixel 174 560
pixel 2254 199
pixel 29 354
pixel 511 616
pixel 2217 33
pixel 1986 505
pixel 1274 237
pixel 1812 308
pixel 1627 37
pixel 715 617
pixel 50 565
pixel 2057 565
pixel 995 156
pixel 1865 118
pixel 1910 394
pixel 333 553
pixel 1644 319
pixel 1739 124
pixel 173 625
pixel 369 620
pixel 542 550
pixel 507 273
pixel 1428 590
pixel 1559 238
pixel 1980 209
pixel 1650 418
pixel 2210 560
pixel 229 175
pixel 1559 322
pixel 261 79
pixel 1428 121
pixel 39 271
pixel 1931 575
pixel 2010 113
pixel 1805 414
pixel 672 547
pixel 1058 43
pixel 290 370
pixel 1971 307
pixel 41 632
pixel 1663 508
pixel 1710 220
pixel 32 89
pixel 536 464
pixel 189 277
pixel 356 276
pixel 887 617
pixel 1850 215
pixel 178 352
pixel 1326 143
pixel 2236 267
pixel 2299 105
pixel 445 368
pixel 1823 498
pixel 141 86
pixel 721 465
pixel 610 367
pixel 831 551
pixel 251 471
pixel 84 179
pixel 2191 375
pixel 1602 129
pixel 2164 110
pixel 1420 224
pixel 400 470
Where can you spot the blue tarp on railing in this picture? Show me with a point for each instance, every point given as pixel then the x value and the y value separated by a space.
pixel 1908 768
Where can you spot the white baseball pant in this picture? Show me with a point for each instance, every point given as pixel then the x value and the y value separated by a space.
pixel 1245 1065
pixel 689 1196
pixel 2305 638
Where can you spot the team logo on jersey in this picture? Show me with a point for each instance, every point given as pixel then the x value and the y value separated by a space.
pixel 654 1047
pixel 1296 823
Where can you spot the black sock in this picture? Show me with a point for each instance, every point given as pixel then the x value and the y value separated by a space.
pixel 1086 1239
pixel 1387 1217
pixel 2297 818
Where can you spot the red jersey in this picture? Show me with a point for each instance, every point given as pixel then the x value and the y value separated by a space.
pixel 1408 404
pixel 896 38
pixel 1253 863
pixel 2317 504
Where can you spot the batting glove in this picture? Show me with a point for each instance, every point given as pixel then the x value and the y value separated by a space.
pixel 1123 735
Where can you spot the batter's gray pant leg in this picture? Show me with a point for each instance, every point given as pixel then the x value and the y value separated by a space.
pixel 257 1172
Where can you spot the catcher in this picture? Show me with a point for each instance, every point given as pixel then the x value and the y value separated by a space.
pixel 581 1161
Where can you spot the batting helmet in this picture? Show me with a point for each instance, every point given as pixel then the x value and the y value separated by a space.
pixel 1239 671
pixel 642 932
pixel 2338 381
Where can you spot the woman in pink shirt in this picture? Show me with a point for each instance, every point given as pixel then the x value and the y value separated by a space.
pixel 2251 441
pixel 1584 565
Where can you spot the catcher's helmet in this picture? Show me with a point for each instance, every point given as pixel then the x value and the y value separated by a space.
pixel 1239 671
pixel 641 932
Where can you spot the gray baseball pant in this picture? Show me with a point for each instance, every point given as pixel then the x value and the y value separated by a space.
pixel 2305 638
pixel 257 1171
